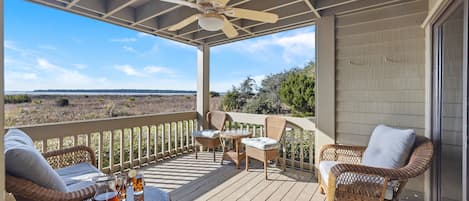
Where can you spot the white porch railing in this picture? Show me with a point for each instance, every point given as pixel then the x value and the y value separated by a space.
pixel 127 142
pixel 121 143
pixel 298 141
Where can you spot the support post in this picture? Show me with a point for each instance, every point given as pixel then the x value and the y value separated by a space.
pixel 2 110
pixel 203 86
pixel 325 83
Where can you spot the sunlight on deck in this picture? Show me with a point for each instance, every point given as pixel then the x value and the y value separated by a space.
pixel 188 179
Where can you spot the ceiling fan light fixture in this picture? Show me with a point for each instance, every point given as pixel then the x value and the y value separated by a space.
pixel 211 22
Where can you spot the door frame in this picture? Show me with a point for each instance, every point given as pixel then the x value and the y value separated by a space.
pixel 436 99
pixel 465 185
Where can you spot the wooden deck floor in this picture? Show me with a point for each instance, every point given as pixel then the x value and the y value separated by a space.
pixel 188 179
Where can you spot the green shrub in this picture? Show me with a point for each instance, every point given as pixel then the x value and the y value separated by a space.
pixel 20 98
pixel 131 99
pixel 297 91
pixel 62 102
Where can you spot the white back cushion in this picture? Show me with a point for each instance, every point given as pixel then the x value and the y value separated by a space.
pixel 389 147
pixel 24 161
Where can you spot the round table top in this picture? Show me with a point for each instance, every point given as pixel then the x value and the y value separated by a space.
pixel 233 134
pixel 150 193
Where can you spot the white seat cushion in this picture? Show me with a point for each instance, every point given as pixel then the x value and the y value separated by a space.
pixel 262 143
pixel 207 133
pixel 326 166
pixel 78 176
pixel 388 147
pixel 24 161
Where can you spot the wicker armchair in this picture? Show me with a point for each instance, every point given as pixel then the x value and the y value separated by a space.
pixel 349 180
pixel 216 121
pixel 25 190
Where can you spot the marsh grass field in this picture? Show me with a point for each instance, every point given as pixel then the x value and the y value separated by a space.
pixel 49 108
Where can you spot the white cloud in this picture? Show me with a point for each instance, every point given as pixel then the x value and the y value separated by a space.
pixel 143 35
pixel 128 49
pixel 45 64
pixel 124 40
pixel 80 66
pixel 157 69
pixel 129 70
pixel 295 45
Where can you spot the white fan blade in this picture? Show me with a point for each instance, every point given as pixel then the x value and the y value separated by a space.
pixel 182 2
pixel 219 3
pixel 252 15
pixel 228 29
pixel 184 23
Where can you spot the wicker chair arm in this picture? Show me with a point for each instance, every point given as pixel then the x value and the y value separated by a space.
pixel 70 156
pixel 358 182
pixel 342 153
pixel 26 190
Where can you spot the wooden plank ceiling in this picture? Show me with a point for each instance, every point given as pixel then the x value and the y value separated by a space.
pixel 155 17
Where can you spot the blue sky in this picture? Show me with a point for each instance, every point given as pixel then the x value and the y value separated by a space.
pixel 50 49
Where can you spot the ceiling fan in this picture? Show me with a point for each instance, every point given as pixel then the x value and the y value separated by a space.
pixel 213 16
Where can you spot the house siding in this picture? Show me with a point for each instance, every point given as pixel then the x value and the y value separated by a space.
pixel 380 71
pixel 380 75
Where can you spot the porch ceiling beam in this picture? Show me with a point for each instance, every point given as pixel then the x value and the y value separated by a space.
pixel 220 41
pixel 310 5
pixel 297 21
pixel 325 4
pixel 72 3
pixel 167 19
pixel 284 14
pixel 153 9
pixel 117 5
pixel 359 6
pixel 192 28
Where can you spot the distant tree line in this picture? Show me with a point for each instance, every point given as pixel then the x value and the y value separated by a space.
pixel 290 91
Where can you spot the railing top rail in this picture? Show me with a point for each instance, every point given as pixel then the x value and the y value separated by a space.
pixel 63 129
pixel 295 122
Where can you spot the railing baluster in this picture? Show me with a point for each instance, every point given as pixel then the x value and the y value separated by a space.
pixel 292 154
pixel 169 140
pixel 75 140
pixel 187 135
pixel 111 151
pixel 61 142
pixel 155 142
pixel 121 149
pixel 148 143
pixel 131 148
pixel 181 136
pixel 139 145
pixel 311 152
pixel 163 133
pixel 100 151
pixel 254 130
pixel 193 129
pixel 88 139
pixel 175 132
pixel 302 158
pixel 284 154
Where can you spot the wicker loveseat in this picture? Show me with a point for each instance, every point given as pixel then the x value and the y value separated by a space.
pixel 349 180
pixel 26 190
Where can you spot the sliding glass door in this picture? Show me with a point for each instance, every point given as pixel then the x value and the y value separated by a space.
pixel 449 109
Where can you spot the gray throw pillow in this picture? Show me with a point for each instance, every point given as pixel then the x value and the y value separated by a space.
pixel 24 161
pixel 389 147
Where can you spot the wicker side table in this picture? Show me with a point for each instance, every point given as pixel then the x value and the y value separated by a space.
pixel 236 155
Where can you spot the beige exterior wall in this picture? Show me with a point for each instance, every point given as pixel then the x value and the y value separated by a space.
pixel 380 73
